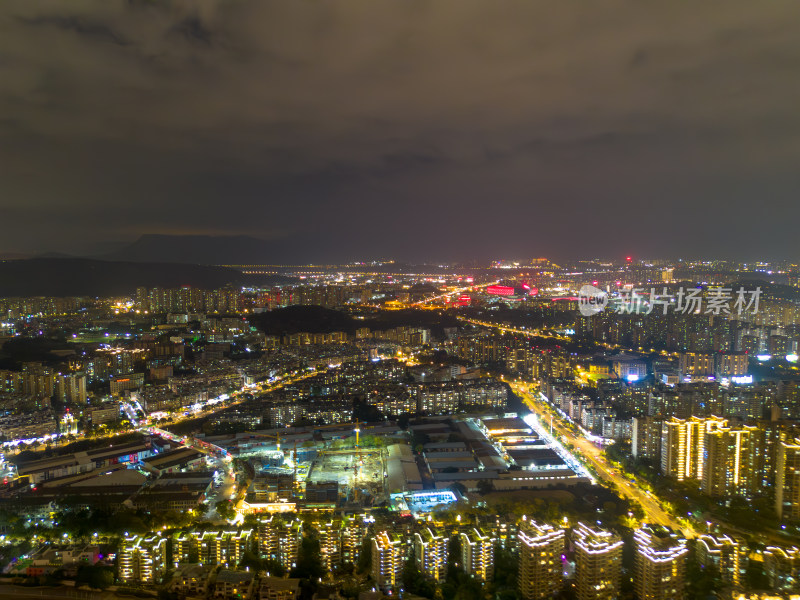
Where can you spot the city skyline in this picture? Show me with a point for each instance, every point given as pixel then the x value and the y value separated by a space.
pixel 251 251
pixel 445 435
pixel 443 300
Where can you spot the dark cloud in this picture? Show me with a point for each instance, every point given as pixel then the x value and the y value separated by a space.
pixel 77 25
pixel 447 128
pixel 193 29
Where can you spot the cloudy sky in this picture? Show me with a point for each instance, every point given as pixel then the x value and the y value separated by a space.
pixel 446 129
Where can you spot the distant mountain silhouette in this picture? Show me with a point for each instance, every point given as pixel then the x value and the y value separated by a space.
pixel 53 255
pixel 87 277
pixel 15 256
pixel 197 249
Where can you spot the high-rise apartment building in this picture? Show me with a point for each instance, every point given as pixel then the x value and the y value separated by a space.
pixel 35 379
pixel 430 552
pixel 683 446
pixel 787 479
pixel 71 388
pixel 477 554
pixel 142 559
pixel 646 438
pixel 598 563
pixel 388 556
pixel 769 435
pixel 289 545
pixel 269 536
pixel 503 530
pixel 660 563
pixel 730 364
pixel 330 543
pixel 279 539
pixel 541 549
pixel 695 364
pixel 726 554
pixel 219 547
pixel 782 566
pixel 728 468
pixel 354 529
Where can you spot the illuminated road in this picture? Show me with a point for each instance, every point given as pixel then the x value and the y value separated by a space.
pixel 137 424
pixel 463 290
pixel 592 455
pixel 211 408
pixel 586 450
pixel 222 458
pixel 542 334
pixel 505 329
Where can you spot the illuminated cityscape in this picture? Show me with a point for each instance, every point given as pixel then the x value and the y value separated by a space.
pixel 461 431
pixel 353 300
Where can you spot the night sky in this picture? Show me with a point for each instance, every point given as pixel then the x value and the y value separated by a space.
pixel 441 130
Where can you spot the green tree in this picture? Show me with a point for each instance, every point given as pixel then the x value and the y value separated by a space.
pixel 485 486
pixel 273 567
pixel 414 582
pixel 506 569
pixel 702 581
pixel 459 488
pixel 225 509
pixel 251 561
pixel 364 564
pixel 469 588
pixel 454 567
pixel 94 576
pixel 419 438
pixel 309 561
pixel 458 585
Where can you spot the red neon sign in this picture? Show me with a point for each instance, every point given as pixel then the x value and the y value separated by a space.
pixel 500 290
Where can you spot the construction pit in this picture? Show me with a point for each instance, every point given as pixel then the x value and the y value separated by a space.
pixel 359 473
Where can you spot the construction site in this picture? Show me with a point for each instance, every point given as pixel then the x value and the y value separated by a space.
pixel 359 473
pixel 315 467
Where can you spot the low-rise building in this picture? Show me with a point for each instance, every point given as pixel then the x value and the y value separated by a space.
pixel 191 580
pixel 233 585
pixel 278 588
